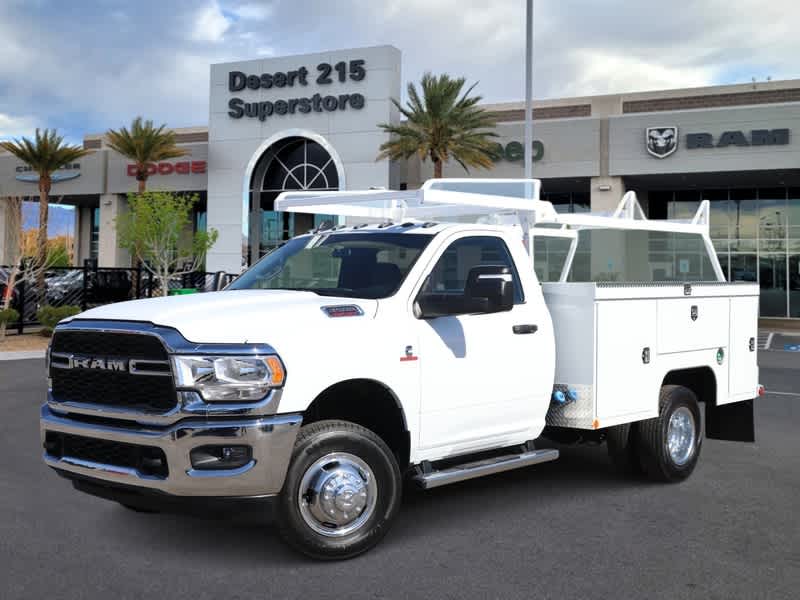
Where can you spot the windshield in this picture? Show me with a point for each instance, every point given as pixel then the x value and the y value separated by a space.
pixel 354 265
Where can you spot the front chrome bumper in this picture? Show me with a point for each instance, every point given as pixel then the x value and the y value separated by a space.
pixel 270 437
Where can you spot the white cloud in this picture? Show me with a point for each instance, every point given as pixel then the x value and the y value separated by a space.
pixel 599 72
pixel 257 11
pixel 156 63
pixel 210 24
pixel 17 126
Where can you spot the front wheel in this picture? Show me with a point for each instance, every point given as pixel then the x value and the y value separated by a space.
pixel 342 491
pixel 669 445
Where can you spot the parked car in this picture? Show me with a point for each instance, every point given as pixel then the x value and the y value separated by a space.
pixel 64 287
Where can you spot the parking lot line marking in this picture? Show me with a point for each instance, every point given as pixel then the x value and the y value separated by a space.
pixel 769 341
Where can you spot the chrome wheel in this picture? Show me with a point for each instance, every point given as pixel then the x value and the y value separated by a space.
pixel 681 434
pixel 337 494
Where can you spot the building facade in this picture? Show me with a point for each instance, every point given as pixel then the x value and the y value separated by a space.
pixel 311 122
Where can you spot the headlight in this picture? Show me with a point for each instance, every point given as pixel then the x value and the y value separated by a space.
pixel 229 378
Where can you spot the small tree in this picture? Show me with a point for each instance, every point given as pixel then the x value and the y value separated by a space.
pixel 25 261
pixel 154 232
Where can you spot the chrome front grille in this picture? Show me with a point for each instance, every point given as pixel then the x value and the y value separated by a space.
pixel 129 371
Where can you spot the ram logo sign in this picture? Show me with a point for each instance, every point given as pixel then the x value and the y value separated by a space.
pixel 661 141
pixel 103 364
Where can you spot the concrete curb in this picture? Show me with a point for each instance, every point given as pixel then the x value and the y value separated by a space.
pixel 22 355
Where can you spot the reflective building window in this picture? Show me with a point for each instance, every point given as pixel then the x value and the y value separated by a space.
pixel 756 234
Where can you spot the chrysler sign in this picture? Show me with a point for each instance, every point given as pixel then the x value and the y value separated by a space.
pixel 662 142
pixel 65 173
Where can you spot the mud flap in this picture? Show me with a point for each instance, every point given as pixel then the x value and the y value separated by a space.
pixel 733 422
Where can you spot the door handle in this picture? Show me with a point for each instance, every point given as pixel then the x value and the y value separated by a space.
pixel 523 329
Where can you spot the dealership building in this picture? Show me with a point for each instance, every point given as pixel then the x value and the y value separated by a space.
pixel 312 122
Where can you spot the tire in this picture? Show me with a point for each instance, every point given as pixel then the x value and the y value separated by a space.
pixel 139 509
pixel 660 462
pixel 359 472
pixel 623 449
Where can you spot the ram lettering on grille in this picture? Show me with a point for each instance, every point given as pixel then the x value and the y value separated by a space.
pixel 105 364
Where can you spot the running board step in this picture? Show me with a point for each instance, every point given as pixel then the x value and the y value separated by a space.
pixel 480 468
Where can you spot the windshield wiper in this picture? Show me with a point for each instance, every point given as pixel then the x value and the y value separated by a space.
pixel 294 289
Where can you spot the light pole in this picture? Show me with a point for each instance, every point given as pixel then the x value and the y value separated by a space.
pixel 529 90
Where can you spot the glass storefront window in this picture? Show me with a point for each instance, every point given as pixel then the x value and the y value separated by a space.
pixel 743 268
pixel 793 235
pixel 94 243
pixel 581 202
pixel 793 277
pixel 685 205
pixel 772 217
pixel 756 234
pixel 720 219
pixel 772 278
pixel 568 202
pixel 562 202
pixel 744 214
pixel 200 220
pixel 793 207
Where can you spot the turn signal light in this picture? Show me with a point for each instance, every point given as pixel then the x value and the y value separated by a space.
pixel 278 375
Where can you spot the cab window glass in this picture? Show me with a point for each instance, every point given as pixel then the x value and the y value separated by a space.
pixel 449 276
pixel 640 256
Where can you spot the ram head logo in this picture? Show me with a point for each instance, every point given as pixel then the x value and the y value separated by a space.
pixel 661 141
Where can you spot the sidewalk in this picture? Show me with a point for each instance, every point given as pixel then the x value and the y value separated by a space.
pixel 21 355
pixel 18 347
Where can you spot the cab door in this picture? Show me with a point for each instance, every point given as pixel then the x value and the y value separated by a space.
pixel 476 369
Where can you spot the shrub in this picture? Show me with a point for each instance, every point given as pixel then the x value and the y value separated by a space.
pixel 49 316
pixel 9 315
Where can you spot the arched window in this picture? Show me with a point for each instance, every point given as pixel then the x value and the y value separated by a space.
pixel 291 164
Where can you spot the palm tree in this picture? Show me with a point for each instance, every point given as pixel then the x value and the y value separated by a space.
pixel 45 154
pixel 443 124
pixel 144 143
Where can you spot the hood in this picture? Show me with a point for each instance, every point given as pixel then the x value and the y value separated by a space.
pixel 233 317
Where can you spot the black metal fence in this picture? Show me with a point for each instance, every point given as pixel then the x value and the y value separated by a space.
pixel 91 286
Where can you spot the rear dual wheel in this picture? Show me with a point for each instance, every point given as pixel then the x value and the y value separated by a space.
pixel 665 448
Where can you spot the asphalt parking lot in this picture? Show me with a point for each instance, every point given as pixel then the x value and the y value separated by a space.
pixel 568 529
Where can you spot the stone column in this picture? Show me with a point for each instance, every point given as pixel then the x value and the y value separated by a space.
pixel 84 216
pixel 606 193
pixel 109 253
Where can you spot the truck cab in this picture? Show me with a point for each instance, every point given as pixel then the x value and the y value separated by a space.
pixel 419 342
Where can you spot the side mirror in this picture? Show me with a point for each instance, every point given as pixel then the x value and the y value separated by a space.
pixel 489 289
pixel 493 285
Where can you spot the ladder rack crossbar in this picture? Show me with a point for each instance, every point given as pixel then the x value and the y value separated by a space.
pixel 515 200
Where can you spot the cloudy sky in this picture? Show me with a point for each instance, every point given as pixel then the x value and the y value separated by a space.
pixel 87 65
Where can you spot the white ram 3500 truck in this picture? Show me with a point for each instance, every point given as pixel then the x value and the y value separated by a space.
pixel 432 346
